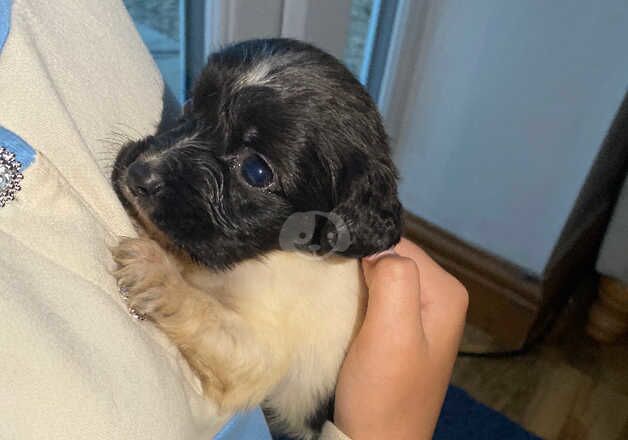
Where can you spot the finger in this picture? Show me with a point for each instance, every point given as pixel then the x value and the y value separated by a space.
pixel 432 274
pixel 439 289
pixel 444 299
pixel 394 302
pixel 443 324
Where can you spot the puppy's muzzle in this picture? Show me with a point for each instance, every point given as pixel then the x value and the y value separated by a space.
pixel 142 180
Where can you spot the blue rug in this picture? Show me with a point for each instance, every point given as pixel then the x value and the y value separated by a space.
pixel 462 417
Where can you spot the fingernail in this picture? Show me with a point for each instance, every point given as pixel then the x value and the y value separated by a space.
pixel 381 254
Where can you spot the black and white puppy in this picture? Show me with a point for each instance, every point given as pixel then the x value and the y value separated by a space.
pixel 257 206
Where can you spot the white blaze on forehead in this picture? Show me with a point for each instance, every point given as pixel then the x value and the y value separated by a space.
pixel 257 75
pixel 185 142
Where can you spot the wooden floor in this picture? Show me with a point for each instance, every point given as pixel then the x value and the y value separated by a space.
pixel 568 388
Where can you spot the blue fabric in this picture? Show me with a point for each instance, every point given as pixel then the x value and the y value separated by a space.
pixel 462 417
pixel 24 153
pixel 5 21
pixel 250 425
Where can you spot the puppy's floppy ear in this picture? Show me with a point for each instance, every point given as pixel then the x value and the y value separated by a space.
pixel 369 207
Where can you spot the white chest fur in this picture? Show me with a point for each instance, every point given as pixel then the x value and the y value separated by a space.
pixel 300 313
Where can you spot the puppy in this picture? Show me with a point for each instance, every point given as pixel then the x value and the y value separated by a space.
pixel 257 206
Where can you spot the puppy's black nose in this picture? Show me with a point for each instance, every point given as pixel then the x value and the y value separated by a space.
pixel 142 180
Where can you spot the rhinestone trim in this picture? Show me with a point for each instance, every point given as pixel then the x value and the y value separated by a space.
pixel 10 176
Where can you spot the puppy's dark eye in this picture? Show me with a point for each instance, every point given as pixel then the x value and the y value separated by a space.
pixel 256 171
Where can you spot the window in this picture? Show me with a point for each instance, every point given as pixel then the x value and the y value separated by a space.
pixel 360 36
pixel 369 39
pixel 178 34
pixel 160 25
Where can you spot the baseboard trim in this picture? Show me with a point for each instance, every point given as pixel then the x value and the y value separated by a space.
pixel 511 304
pixel 504 299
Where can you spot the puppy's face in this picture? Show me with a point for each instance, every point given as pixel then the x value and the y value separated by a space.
pixel 275 128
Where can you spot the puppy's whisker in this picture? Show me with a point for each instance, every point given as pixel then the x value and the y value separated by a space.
pixel 137 133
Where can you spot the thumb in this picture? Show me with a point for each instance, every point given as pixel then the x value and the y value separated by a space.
pixel 394 301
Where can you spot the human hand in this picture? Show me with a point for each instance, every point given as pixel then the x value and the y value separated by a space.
pixel 395 375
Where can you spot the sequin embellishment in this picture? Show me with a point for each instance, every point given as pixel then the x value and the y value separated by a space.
pixel 10 176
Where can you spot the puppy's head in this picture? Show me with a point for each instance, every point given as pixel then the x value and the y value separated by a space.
pixel 275 128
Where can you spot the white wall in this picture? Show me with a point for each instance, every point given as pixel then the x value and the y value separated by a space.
pixel 512 101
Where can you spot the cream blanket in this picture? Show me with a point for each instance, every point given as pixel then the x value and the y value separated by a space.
pixel 74 78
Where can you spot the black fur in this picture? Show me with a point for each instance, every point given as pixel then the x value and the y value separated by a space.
pixel 309 117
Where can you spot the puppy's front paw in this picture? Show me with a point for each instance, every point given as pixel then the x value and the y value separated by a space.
pixel 147 277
